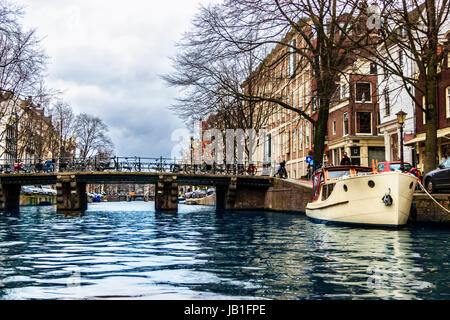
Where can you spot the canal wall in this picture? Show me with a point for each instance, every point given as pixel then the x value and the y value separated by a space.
pixel 284 195
pixel 206 201
pixel 425 210
pixel 288 195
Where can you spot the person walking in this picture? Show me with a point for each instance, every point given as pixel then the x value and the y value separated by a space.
pixel 281 172
pixel 345 161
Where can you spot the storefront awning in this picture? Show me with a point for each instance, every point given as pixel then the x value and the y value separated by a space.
pixel 422 136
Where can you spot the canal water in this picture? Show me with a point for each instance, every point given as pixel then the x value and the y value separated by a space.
pixel 126 250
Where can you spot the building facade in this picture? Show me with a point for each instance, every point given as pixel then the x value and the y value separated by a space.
pixel 354 116
pixel 443 111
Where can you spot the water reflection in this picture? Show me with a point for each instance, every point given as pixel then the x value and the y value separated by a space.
pixel 118 251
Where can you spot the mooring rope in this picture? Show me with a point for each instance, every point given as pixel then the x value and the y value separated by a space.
pixel 423 188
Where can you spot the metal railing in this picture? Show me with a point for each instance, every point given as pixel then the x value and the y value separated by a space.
pixel 132 164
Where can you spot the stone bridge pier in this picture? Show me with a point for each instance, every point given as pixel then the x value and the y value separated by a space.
pixel 71 194
pixel 166 194
pixel 9 197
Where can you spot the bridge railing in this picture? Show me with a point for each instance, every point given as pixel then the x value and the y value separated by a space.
pixel 132 164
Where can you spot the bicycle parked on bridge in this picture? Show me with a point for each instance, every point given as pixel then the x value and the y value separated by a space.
pixel 105 164
pixel 20 166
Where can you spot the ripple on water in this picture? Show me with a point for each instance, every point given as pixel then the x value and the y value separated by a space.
pixel 127 251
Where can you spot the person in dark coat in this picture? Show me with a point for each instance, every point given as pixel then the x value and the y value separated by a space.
pixel 345 161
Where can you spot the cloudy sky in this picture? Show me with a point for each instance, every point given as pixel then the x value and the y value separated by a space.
pixel 107 57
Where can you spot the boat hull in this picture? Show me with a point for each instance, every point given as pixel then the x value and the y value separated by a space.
pixel 363 204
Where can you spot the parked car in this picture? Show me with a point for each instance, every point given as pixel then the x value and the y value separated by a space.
pixel 188 195
pixel 48 190
pixel 210 191
pixel 386 166
pixel 439 178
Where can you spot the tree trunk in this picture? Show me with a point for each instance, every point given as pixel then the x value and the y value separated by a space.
pixel 320 132
pixel 431 147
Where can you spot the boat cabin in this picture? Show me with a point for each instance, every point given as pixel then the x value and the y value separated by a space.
pixel 325 178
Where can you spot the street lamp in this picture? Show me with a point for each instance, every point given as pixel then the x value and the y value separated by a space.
pixel 401 120
pixel 192 149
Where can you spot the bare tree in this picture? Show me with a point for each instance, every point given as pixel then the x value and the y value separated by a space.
pixel 91 135
pixel 225 33
pixel 22 64
pixel 214 91
pixel 64 122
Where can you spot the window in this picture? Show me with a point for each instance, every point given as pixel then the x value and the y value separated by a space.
pixel 344 90
pixel 300 138
pixel 400 58
pixel 424 116
pixel 387 104
pixel 337 93
pixel 363 92
pixel 307 135
pixel 448 101
pixel 401 31
pixel 292 59
pixel 373 68
pixel 335 157
pixel 300 102
pixel 307 92
pixel 295 99
pixel 364 122
pixel 334 127
pixel 268 148
pixel 315 101
pixel 345 122
pixel 283 143
pixel 448 59
pixel 294 140
pixel 335 174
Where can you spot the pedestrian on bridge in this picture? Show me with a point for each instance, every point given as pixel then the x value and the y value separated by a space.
pixel 49 161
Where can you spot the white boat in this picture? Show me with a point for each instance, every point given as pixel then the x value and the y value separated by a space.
pixel 357 195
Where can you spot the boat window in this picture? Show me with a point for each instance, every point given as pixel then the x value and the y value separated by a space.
pixel 333 174
pixel 316 185
pixel 362 172
pixel 396 166
pixel 327 190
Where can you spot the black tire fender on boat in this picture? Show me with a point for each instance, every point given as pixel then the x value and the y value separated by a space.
pixel 387 199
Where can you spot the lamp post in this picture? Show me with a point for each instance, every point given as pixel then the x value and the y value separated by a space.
pixel 401 120
pixel 192 149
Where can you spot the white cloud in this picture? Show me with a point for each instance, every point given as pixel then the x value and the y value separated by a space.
pixel 107 56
